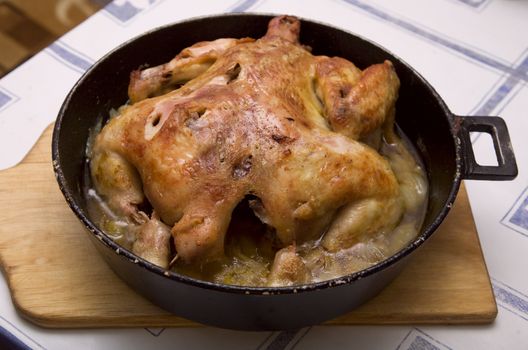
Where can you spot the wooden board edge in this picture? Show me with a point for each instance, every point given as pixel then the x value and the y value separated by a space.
pixel 490 286
pixel 140 322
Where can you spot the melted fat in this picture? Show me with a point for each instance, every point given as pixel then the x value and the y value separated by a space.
pixel 250 250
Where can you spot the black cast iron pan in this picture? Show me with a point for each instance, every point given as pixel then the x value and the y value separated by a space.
pixel 441 138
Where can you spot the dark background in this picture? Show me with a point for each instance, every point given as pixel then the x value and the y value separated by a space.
pixel 28 26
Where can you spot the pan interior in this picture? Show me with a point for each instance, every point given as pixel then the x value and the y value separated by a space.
pixel 421 114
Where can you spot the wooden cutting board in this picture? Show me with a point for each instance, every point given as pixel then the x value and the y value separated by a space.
pixel 57 278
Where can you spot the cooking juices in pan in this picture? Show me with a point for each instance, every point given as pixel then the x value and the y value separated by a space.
pixel 304 142
pixel 251 246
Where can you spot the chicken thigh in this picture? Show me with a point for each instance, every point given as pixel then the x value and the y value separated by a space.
pixel 237 117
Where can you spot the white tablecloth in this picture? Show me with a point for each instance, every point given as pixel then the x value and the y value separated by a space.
pixel 474 52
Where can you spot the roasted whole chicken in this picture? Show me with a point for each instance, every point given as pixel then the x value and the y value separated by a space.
pixel 295 135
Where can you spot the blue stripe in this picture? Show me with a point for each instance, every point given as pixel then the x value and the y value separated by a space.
pixel 4 99
pixel 520 217
pixel 437 39
pixel 417 339
pixel 124 11
pixel 282 340
pixel 242 5
pixel 514 229
pixel 9 341
pixel 496 111
pixel 155 333
pixel 500 94
pixel 511 298
pixel 404 339
pixel 420 343
pixel 15 327
pixel 70 57
pixel 7 98
pixel 497 97
pixel 261 345
pixel 300 338
pixel 518 220
pixel 474 3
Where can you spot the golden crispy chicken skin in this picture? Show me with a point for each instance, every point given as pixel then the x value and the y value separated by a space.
pixel 264 118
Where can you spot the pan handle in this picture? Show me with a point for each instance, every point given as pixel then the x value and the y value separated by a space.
pixel 496 127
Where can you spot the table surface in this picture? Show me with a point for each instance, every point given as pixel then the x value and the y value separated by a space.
pixel 475 54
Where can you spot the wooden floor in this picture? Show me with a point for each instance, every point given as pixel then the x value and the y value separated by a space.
pixel 27 26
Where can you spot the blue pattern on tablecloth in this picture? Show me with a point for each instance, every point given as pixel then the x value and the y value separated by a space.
pixel 10 341
pixel 476 4
pixel 417 339
pixel 123 11
pixel 17 339
pixel 501 93
pixel 7 98
pixel 288 339
pixel 156 332
pixel 520 216
pixel 511 299
pixel 420 343
pixel 517 216
pixel 69 56
pixel 282 340
pixel 4 99
pixel 440 40
pixel 508 85
pixel 243 5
